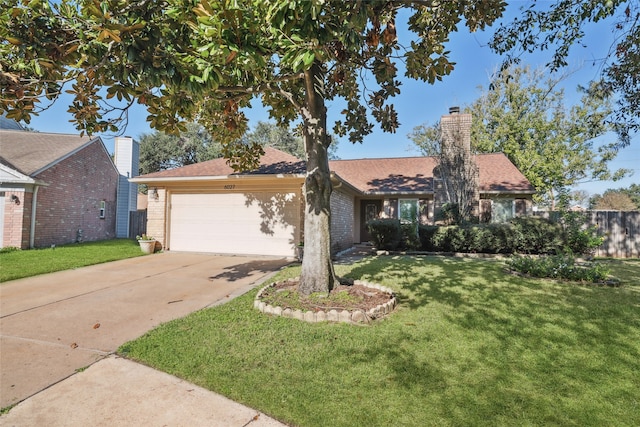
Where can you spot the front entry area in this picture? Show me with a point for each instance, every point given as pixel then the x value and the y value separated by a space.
pixel 369 210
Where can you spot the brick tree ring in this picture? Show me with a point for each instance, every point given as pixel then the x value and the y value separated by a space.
pixel 373 301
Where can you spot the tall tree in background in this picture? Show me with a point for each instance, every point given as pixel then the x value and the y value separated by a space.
pixel 612 200
pixel 206 60
pixel 617 199
pixel 524 116
pixel 160 151
pixel 559 25
pixel 270 135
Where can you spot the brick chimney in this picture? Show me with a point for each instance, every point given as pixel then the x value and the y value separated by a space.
pixel 456 129
pixel 456 176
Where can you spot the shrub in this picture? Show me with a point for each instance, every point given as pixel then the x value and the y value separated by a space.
pixel 535 235
pixel 426 235
pixel 560 266
pixel 579 239
pixel 9 249
pixel 385 233
pixel 409 239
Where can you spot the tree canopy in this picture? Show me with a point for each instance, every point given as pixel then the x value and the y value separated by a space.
pixel 560 25
pixel 523 115
pixel 205 60
pixel 160 151
pixel 622 199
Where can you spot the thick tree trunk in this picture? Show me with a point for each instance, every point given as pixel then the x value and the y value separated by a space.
pixel 317 269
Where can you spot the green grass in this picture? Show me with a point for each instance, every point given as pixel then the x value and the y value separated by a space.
pixel 468 345
pixel 27 263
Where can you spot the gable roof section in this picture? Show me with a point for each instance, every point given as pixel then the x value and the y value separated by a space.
pixel 403 175
pixel 33 152
pixel 390 175
pixel 272 162
pixel 499 175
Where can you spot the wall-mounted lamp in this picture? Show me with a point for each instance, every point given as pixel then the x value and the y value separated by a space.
pixel 15 199
pixel 154 193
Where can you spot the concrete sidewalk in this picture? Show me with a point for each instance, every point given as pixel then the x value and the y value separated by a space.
pixel 119 392
pixel 54 326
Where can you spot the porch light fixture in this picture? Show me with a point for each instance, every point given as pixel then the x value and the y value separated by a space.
pixel 154 193
pixel 15 199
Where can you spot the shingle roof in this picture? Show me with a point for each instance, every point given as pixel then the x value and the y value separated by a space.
pixel 402 174
pixel 415 174
pixel 370 176
pixel 272 162
pixel 32 152
pixel 498 174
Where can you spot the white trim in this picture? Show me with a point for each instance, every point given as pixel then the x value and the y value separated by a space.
pixel 20 178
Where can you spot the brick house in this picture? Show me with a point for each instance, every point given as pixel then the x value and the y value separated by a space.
pixel 209 208
pixel 57 189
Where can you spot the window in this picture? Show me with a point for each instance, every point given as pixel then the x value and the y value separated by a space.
pixel 408 210
pixel 103 206
pixel 502 210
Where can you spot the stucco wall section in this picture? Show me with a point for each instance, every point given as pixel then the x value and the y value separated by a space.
pixel 342 219
pixel 68 210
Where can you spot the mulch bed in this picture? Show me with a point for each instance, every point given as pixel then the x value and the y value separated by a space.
pixel 360 297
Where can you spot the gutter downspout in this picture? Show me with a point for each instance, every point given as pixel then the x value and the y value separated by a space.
pixel 34 204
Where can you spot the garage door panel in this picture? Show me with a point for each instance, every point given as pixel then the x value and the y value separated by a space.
pixel 255 223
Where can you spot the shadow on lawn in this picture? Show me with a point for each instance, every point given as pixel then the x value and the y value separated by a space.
pixel 529 343
pixel 242 270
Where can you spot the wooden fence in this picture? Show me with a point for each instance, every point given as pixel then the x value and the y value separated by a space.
pixel 621 232
pixel 137 223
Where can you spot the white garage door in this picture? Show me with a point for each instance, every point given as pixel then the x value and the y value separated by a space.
pixel 235 223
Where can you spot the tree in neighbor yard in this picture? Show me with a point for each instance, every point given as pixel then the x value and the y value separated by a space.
pixel 523 115
pixel 161 151
pixel 620 199
pixel 205 60
pixel 558 26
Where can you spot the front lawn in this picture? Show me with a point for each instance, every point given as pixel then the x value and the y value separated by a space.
pixel 27 263
pixel 468 345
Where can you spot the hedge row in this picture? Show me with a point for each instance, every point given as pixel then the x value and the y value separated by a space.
pixel 526 235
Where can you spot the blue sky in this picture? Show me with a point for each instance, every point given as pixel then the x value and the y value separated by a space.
pixel 421 103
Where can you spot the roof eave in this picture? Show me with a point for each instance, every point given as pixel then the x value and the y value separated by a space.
pixel 184 179
pixel 516 191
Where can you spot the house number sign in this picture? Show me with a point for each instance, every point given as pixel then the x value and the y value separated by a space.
pixel 229 186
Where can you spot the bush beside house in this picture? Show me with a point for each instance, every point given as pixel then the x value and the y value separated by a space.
pixel 526 235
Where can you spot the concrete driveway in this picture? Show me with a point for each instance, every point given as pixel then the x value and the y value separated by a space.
pixel 52 326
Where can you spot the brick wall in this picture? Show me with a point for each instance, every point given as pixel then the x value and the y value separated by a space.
pixel 156 217
pixel 69 208
pixel 17 219
pixel 342 219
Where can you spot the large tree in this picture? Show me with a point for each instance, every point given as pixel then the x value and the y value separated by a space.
pixel 205 60
pixel 612 200
pixel 560 25
pixel 161 151
pixel 623 199
pixel 523 115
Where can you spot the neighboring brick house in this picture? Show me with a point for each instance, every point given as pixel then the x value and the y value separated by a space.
pixel 56 189
pixel 207 207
